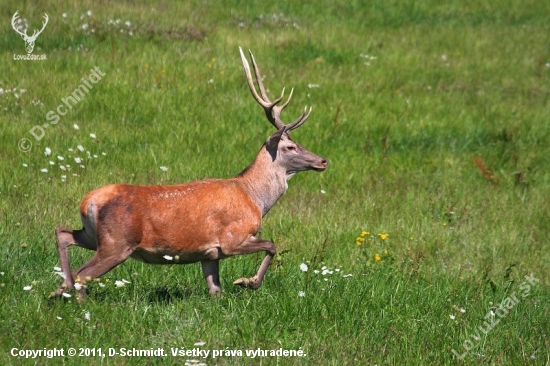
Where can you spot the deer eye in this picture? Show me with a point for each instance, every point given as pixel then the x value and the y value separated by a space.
pixel 291 148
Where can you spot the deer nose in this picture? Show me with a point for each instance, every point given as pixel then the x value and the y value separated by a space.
pixel 323 163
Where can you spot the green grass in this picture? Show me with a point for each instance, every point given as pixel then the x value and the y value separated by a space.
pixel 433 116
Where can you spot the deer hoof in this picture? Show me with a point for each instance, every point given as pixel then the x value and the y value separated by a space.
pixel 57 293
pixel 244 282
pixel 247 282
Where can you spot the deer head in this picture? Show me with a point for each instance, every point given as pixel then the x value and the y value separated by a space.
pixel 29 41
pixel 294 157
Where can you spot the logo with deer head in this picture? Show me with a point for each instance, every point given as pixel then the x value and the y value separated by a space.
pixel 29 40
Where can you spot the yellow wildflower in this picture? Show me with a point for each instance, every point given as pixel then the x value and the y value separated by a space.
pixel 364 233
pixel 376 257
pixel 385 252
pixel 383 236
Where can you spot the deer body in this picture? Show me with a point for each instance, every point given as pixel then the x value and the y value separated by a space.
pixel 202 221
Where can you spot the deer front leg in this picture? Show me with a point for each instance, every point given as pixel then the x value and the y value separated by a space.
pixel 253 245
pixel 210 270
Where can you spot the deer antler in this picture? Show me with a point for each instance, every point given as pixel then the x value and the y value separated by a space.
pixel 272 110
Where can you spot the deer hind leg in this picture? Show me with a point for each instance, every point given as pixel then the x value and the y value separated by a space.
pixel 65 238
pixel 108 255
pixel 253 245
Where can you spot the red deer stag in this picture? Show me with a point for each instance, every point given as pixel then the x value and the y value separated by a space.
pixel 202 221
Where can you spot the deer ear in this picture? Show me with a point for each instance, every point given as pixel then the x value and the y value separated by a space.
pixel 272 142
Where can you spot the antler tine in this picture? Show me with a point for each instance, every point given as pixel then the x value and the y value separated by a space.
pixel 264 102
pixel 288 100
pixel 269 107
pixel 259 77
pixel 300 120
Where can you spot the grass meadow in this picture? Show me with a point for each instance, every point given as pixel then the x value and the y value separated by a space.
pixel 417 239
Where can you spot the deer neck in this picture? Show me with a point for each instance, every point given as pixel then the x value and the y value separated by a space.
pixel 265 180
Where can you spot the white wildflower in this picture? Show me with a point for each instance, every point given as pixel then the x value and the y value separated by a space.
pixel 92 135
pixel 301 294
pixel 303 267
pixel 80 147
pixel 164 169
pixel 44 170
pixel 48 151
pixel 27 288
pixel 76 127
pixel 452 317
